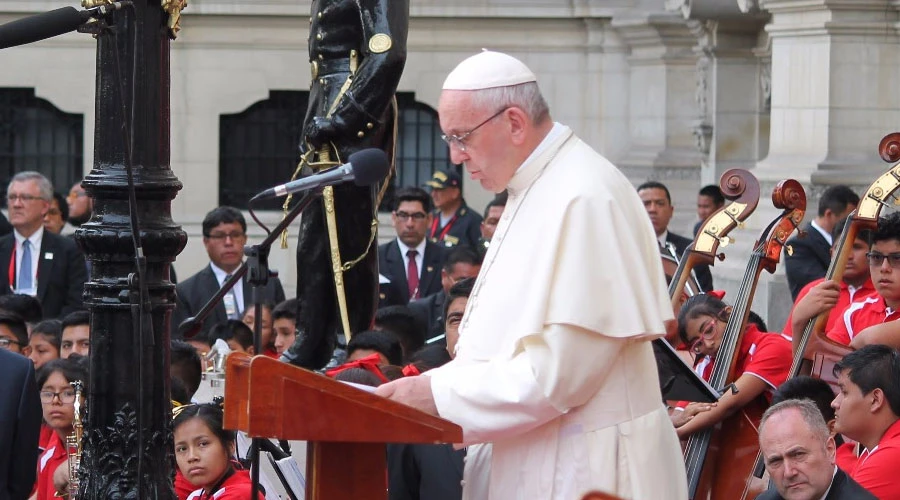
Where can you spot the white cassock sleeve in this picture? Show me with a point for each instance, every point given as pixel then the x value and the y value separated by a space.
pixel 550 373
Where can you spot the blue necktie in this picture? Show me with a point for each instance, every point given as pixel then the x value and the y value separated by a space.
pixel 25 267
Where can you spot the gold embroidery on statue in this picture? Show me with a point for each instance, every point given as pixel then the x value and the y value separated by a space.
pixel 380 43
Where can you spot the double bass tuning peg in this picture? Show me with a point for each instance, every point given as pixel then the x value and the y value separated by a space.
pixel 725 240
pixel 720 256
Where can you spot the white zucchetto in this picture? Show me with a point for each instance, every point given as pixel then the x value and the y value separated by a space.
pixel 487 70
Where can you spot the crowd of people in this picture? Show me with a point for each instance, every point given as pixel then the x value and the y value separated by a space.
pixel 501 322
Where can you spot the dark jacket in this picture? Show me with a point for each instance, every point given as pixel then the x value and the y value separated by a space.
pixel 424 472
pixel 195 291
pixel 61 274
pixel 390 265
pixel 20 414
pixel 842 488
pixel 430 312
pixel 806 258
pixel 704 277
pixel 464 228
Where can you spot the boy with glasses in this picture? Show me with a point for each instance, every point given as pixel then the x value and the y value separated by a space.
pixel 881 308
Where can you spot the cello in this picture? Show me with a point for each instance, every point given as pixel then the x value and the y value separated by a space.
pixel 720 459
pixel 815 354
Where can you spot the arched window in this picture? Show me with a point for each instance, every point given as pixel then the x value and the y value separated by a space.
pixel 258 147
pixel 35 135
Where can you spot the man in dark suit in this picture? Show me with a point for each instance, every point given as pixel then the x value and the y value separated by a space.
pixel 41 264
pixel 224 236
pixel 798 452
pixel 806 258
pixel 658 203
pixel 20 412
pixel 411 262
pixel 462 262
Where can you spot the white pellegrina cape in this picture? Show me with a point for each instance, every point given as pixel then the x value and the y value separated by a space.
pixel 554 365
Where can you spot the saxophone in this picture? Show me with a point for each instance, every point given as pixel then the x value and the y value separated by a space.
pixel 73 442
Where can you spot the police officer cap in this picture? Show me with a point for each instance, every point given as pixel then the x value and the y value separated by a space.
pixel 487 70
pixel 444 179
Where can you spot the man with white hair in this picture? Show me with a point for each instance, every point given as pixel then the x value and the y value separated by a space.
pixel 554 365
pixel 798 452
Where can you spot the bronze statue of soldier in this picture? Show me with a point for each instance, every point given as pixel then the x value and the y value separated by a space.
pixel 357 51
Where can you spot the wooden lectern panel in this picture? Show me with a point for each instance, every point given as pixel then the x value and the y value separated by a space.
pixel 268 398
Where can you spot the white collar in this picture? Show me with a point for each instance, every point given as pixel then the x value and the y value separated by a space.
pixel 662 238
pixel 220 273
pixel 35 237
pixel 419 248
pixel 833 474
pixel 825 234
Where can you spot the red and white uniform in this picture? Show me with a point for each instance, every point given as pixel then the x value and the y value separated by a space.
pixel 876 469
pixel 236 487
pixel 847 296
pixel 859 316
pixel 54 456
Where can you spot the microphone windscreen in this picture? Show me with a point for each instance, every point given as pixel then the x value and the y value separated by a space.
pixel 41 26
pixel 369 166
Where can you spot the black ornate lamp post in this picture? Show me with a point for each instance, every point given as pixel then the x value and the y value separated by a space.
pixel 127 444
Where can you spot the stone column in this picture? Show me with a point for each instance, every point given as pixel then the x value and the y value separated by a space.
pixel 128 449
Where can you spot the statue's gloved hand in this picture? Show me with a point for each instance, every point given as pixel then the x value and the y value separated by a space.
pixel 321 130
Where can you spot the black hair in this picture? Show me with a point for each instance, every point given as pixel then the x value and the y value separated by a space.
pixel 358 376
pixel 461 254
pixel 498 201
pixel 16 326
pixel 836 199
pixel 286 309
pixel 757 320
pixel 460 289
pixel 655 185
pixel 713 192
pixel 401 321
pixel 412 194
pixel 50 329
pixel 805 387
pixel 76 318
pixel 863 234
pixel 223 215
pixel 888 228
pixel 211 414
pixel 699 305
pixel 874 367
pixel 184 364
pixel 25 306
pixel 430 356
pixel 382 341
pixel 179 391
pixel 63 206
pixel 72 369
pixel 232 329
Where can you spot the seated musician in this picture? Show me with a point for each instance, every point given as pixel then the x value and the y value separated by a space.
pixel 866 321
pixel 867 410
pixel 823 295
pixel 763 359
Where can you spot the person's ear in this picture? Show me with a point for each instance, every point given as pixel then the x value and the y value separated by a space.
pixel 251 350
pixel 518 125
pixel 878 401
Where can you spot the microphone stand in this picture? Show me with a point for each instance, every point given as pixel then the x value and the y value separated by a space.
pixel 257 270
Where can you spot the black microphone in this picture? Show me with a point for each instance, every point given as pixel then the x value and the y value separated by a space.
pixel 365 167
pixel 50 24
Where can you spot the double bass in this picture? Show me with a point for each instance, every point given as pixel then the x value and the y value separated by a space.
pixel 720 459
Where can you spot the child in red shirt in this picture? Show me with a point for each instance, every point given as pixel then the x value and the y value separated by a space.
pixel 763 361
pixel 203 451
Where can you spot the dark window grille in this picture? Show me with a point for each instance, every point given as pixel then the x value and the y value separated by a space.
pixel 259 147
pixel 35 135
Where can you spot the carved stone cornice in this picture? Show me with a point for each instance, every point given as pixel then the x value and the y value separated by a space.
pixel 831 17
pixel 656 37
pixel 706 9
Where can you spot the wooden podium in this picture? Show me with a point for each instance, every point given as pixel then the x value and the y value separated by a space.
pixel 346 428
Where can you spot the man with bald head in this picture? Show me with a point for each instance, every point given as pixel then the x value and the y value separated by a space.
pixel 798 451
pixel 554 366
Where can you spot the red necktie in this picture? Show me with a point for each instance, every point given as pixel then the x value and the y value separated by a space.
pixel 412 274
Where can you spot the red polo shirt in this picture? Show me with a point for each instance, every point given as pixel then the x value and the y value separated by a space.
pixel 766 356
pixel 236 487
pixel 54 456
pixel 859 316
pixel 845 298
pixel 876 469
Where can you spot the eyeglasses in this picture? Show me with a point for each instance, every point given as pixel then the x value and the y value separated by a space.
pixel 221 236
pixel 66 396
pixel 877 259
pixel 76 194
pixel 459 140
pixel 12 198
pixel 5 343
pixel 707 331
pixel 416 216
pixel 53 211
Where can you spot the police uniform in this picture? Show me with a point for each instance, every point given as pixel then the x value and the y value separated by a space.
pixel 464 228
pixel 357 51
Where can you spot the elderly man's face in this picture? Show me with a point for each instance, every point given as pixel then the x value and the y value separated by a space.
pixel 800 462
pixel 485 144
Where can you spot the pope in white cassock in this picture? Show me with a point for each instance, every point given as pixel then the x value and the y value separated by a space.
pixel 554 365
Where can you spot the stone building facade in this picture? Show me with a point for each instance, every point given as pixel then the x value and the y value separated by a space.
pixel 672 90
